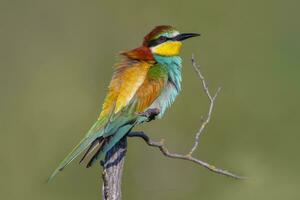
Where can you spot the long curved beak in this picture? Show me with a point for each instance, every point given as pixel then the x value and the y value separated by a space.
pixel 184 36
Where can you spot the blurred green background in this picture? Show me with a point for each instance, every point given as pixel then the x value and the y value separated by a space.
pixel 56 61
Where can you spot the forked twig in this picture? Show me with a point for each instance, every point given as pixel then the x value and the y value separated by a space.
pixel 205 121
pixel 211 105
pixel 189 157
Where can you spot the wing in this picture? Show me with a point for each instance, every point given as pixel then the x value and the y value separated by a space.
pixel 127 79
pixel 135 87
pixel 152 87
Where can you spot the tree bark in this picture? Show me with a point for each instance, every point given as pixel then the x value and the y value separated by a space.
pixel 113 170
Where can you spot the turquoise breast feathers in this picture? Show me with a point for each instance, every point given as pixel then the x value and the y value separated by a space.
pixel 173 84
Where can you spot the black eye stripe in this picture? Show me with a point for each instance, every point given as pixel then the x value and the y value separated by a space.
pixel 159 40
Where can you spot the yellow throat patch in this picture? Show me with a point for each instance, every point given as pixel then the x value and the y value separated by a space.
pixel 170 48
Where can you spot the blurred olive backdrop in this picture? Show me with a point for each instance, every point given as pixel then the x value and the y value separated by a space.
pixel 56 61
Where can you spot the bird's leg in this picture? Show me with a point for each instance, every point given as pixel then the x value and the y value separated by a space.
pixel 150 113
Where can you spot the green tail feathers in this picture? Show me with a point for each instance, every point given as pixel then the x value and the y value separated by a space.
pixel 95 132
pixel 115 129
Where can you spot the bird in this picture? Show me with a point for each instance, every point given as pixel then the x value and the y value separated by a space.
pixel 145 83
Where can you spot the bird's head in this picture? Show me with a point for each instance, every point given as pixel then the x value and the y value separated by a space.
pixel 165 40
pixel 162 40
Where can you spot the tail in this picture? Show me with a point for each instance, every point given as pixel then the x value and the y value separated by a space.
pixel 95 132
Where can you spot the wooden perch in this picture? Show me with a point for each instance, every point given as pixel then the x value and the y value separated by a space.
pixel 113 170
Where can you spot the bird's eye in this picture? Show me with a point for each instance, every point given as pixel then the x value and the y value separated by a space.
pixel 163 38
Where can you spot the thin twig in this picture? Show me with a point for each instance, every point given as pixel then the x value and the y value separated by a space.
pixel 188 157
pixel 211 98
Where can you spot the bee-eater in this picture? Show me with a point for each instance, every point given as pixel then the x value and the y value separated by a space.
pixel 147 78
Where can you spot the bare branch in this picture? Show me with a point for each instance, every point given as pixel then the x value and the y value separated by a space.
pixel 204 122
pixel 188 157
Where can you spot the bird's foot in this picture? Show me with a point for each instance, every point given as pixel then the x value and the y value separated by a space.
pixel 150 114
